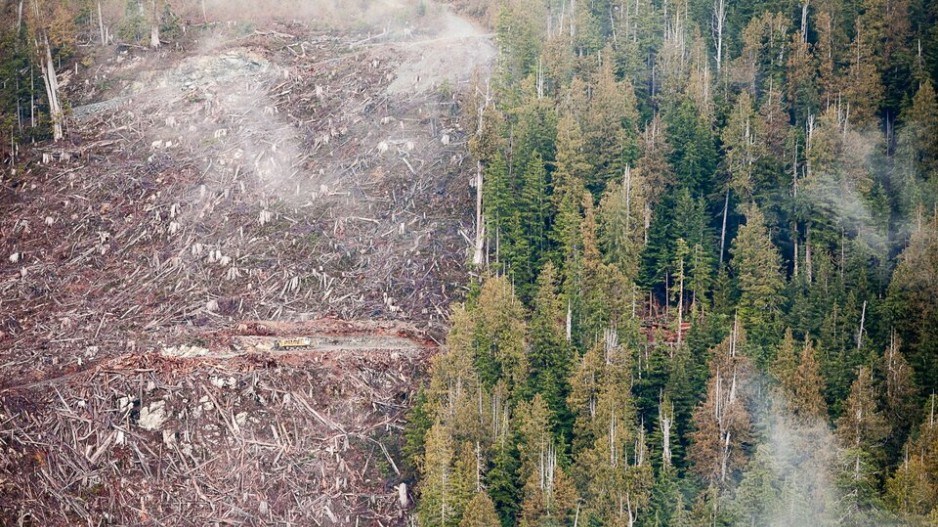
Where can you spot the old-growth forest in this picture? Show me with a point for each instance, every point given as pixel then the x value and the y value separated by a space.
pixel 707 288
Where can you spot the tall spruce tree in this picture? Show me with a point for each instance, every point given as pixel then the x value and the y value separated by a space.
pixel 756 266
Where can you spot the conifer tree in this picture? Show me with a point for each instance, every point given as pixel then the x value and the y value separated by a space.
pixel 585 383
pixel 743 145
pixel 899 396
pixel 551 357
pixel 572 163
pixel 498 336
pixel 913 487
pixel 613 470
pixel 863 87
pixel 802 79
pixel 535 437
pixel 695 162
pixel 757 497
pixel 862 430
pixel 502 480
pixel 480 512
pixel 610 127
pixel 806 400
pixel 654 165
pixel 549 495
pixel 534 212
pixel 911 490
pixel 785 366
pixel 517 30
pixel 454 384
pixel 756 265
pixel 831 41
pixel 923 115
pixel 498 205
pixel 437 504
pixel 622 222
pixel 722 421
pixel 916 161
pixel 911 304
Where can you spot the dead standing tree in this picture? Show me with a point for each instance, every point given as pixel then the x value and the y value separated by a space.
pixel 44 18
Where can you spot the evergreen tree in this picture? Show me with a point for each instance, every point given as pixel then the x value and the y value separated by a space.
pixel 480 512
pixel 756 265
pixel 911 305
pixel 806 400
pixel 498 335
pixel 694 163
pixel 722 421
pixel 742 145
pixel 502 479
pixel 438 505
pixel 899 397
pixel 911 491
pixel 785 366
pixel 622 222
pixel 610 128
pixel 551 357
pixel 862 430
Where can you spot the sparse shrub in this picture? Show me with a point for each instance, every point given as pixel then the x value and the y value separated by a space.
pixel 446 89
pixel 133 27
pixel 169 24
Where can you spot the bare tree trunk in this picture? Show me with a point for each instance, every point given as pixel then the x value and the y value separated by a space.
pixel 807 254
pixel 154 26
pixel 101 26
pixel 628 199
pixel 726 208
pixel 718 23
pixel 804 21
pixel 572 18
pixel 569 326
pixel 647 224
pixel 794 237
pixel 665 423
pixel 480 253
pixel 540 80
pixel 19 17
pixel 32 97
pixel 680 306
pixel 480 219
pixel 52 87
pixel 860 332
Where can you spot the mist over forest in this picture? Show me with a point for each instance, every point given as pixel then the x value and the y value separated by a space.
pixel 636 263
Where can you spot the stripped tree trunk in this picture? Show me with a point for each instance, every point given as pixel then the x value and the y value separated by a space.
pixel 154 26
pixel 680 306
pixel 726 208
pixel 101 26
pixel 480 220
pixel 52 85
pixel 719 21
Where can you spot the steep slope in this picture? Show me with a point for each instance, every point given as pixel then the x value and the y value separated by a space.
pixel 277 174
